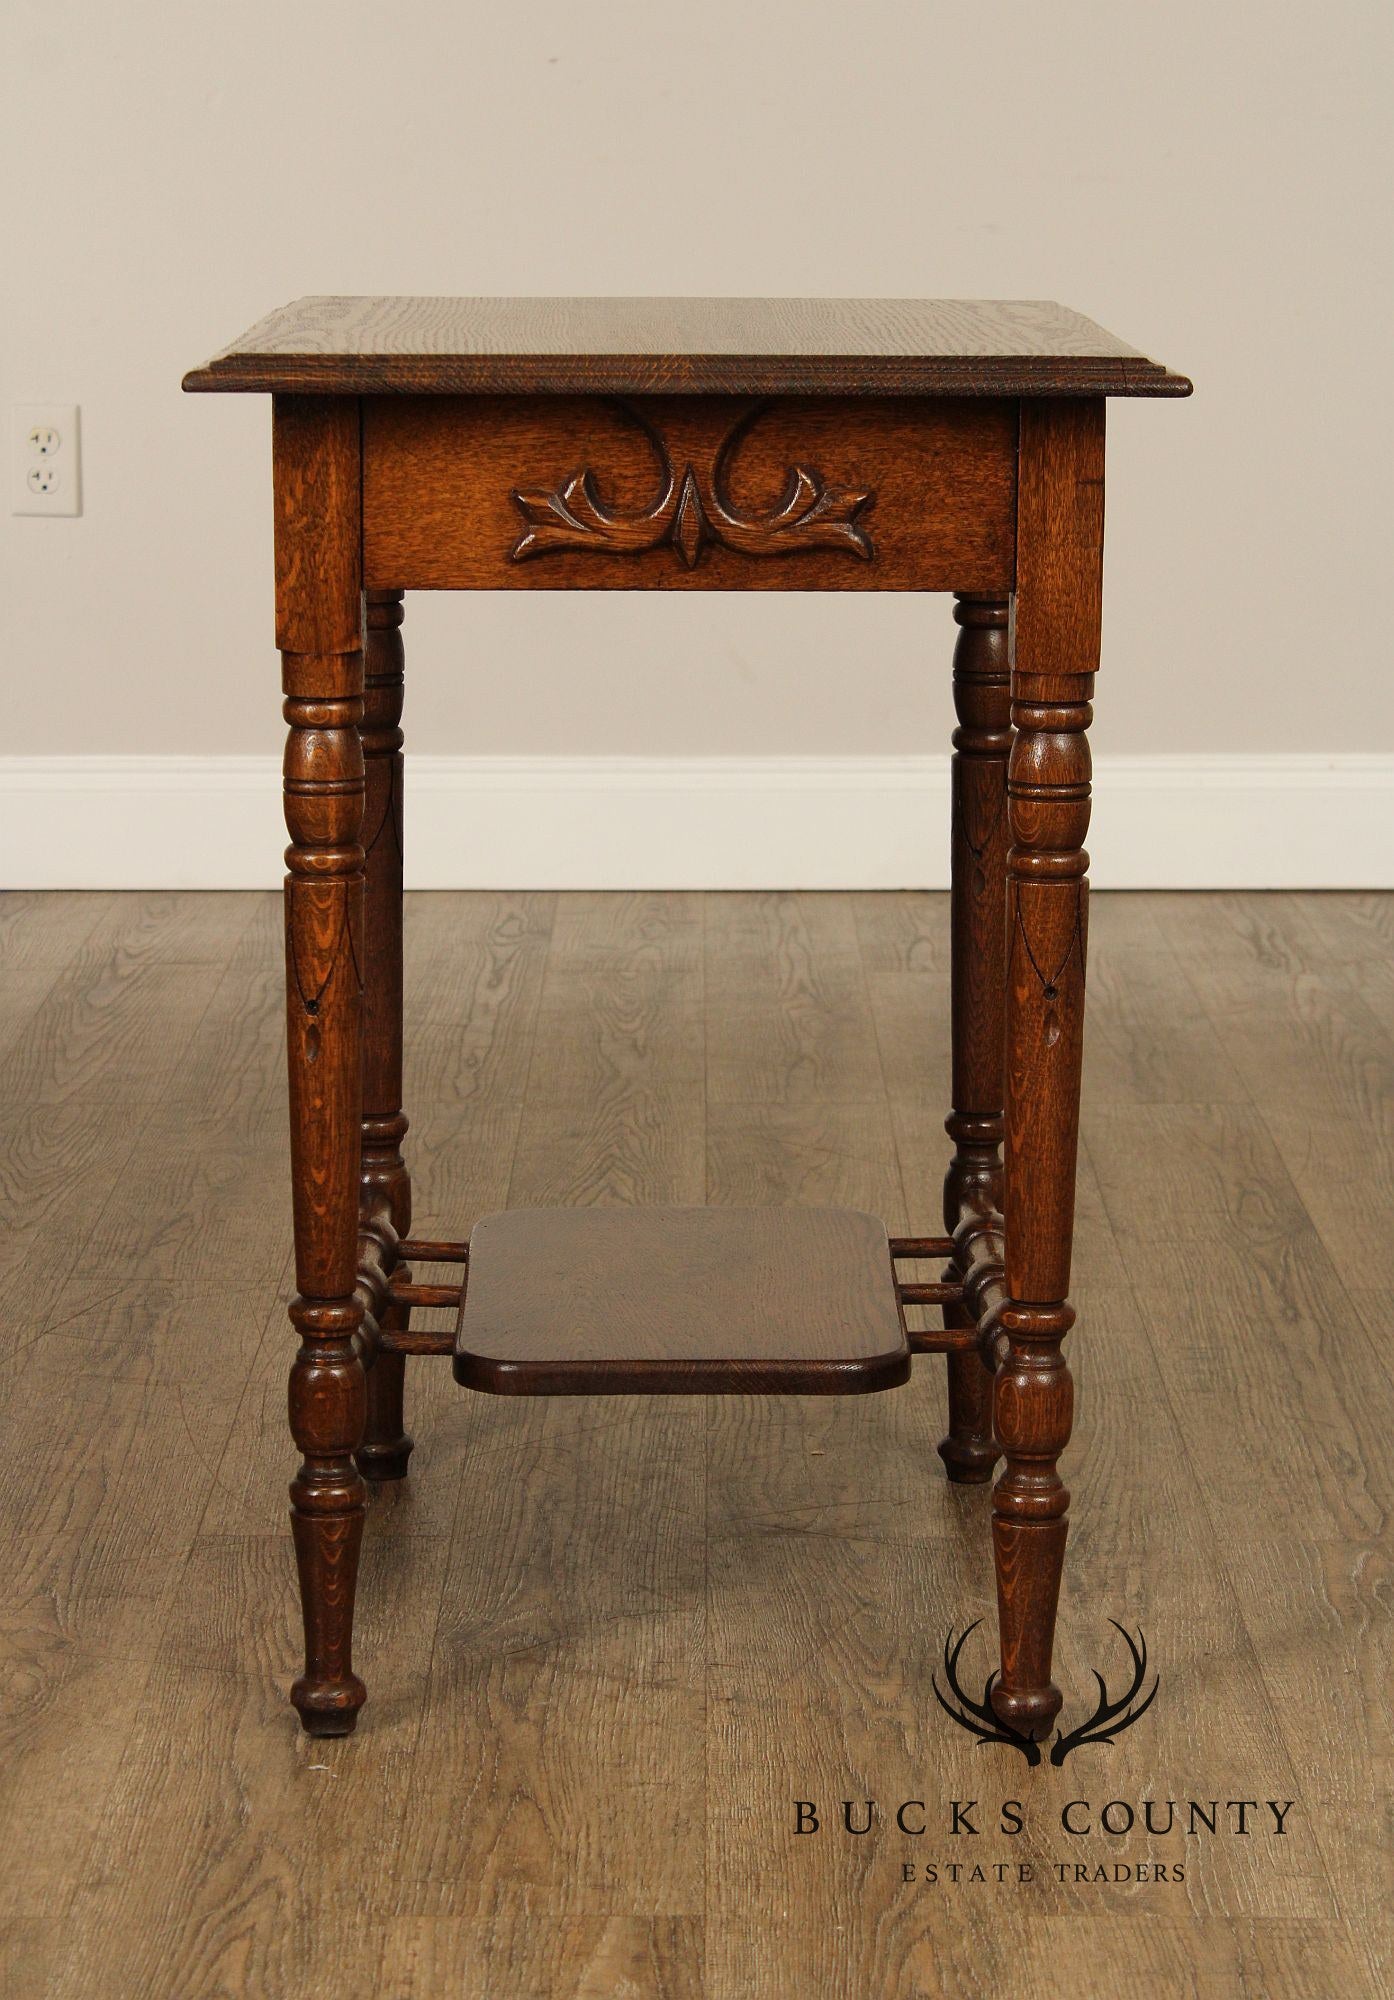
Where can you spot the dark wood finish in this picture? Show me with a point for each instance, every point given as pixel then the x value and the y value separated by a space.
pixel 978 850
pixel 688 493
pixel 419 1339
pixel 692 444
pixel 920 1246
pixel 939 1293
pixel 699 1301
pixel 384 1183
pixel 319 611
pixel 953 1342
pixel 726 347
pixel 1055 653
pixel 978 1258
pixel 404 1293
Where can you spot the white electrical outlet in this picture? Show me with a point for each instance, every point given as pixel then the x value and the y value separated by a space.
pixel 45 462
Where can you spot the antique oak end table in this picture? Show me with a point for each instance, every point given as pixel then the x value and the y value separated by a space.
pixel 690 444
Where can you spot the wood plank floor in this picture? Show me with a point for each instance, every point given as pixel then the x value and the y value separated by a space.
pixel 609 1643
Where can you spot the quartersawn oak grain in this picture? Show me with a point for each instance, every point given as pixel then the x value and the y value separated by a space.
pixel 384 1184
pixel 978 860
pixel 609 1300
pixel 446 483
pixel 1054 649
pixel 1022 471
pixel 319 629
pixel 629 347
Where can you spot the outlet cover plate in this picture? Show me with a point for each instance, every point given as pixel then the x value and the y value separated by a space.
pixel 45 459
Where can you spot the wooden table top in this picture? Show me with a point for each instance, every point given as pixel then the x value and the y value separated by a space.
pixel 588 346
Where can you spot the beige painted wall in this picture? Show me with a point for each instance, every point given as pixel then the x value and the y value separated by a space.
pixel 1209 179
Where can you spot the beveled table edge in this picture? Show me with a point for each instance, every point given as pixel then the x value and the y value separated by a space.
pixel 705 375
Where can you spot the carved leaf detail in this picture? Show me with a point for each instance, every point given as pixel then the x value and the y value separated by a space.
pixel 563 519
pixel 692 510
pixel 688 522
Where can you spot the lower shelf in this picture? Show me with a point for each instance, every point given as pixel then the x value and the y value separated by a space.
pixel 664 1301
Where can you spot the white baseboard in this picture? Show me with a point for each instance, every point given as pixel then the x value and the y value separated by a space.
pixel 1174 822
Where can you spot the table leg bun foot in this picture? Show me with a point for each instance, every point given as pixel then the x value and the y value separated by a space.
pixel 1029 1711
pixel 329 1708
pixel 967 1462
pixel 379 1464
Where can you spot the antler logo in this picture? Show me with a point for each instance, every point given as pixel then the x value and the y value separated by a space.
pixel 1109 1720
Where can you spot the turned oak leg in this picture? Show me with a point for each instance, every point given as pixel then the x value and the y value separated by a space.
pixel 319 617
pixel 1055 650
pixel 384 1183
pixel 979 860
